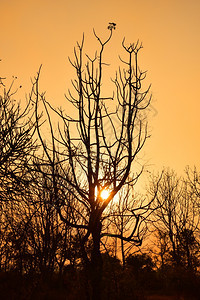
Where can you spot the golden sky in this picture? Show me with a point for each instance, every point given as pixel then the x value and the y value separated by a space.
pixel 45 31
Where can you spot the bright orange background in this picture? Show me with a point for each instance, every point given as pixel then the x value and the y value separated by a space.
pixel 45 31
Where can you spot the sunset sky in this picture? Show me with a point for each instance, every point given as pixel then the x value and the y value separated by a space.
pixel 45 32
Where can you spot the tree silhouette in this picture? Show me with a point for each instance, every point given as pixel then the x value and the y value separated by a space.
pixel 84 158
pixel 130 210
pixel 16 143
pixel 16 149
pixel 176 221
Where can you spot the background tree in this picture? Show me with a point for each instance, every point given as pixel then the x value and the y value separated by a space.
pixel 193 179
pixel 16 149
pixel 52 241
pixel 176 221
pixel 127 213
pixel 16 142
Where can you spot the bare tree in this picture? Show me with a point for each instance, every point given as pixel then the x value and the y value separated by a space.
pixel 50 240
pixel 193 178
pixel 16 143
pixel 176 221
pixel 16 149
pixel 128 213
pixel 84 157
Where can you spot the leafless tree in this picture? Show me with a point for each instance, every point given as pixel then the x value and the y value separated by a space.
pixel 34 241
pixel 193 178
pixel 51 240
pixel 84 157
pixel 16 143
pixel 176 221
pixel 127 211
pixel 16 149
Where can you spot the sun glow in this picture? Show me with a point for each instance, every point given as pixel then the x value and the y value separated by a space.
pixel 105 194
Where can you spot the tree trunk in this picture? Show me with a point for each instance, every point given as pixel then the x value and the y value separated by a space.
pixel 96 263
pixel 123 254
pixel 86 276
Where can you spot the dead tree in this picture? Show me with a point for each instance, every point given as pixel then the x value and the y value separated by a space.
pixel 16 143
pixel 126 220
pixel 90 160
pixel 16 148
pixel 175 220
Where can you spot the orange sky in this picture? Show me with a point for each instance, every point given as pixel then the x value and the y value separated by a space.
pixel 45 31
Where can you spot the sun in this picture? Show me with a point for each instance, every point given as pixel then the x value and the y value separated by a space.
pixel 105 194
